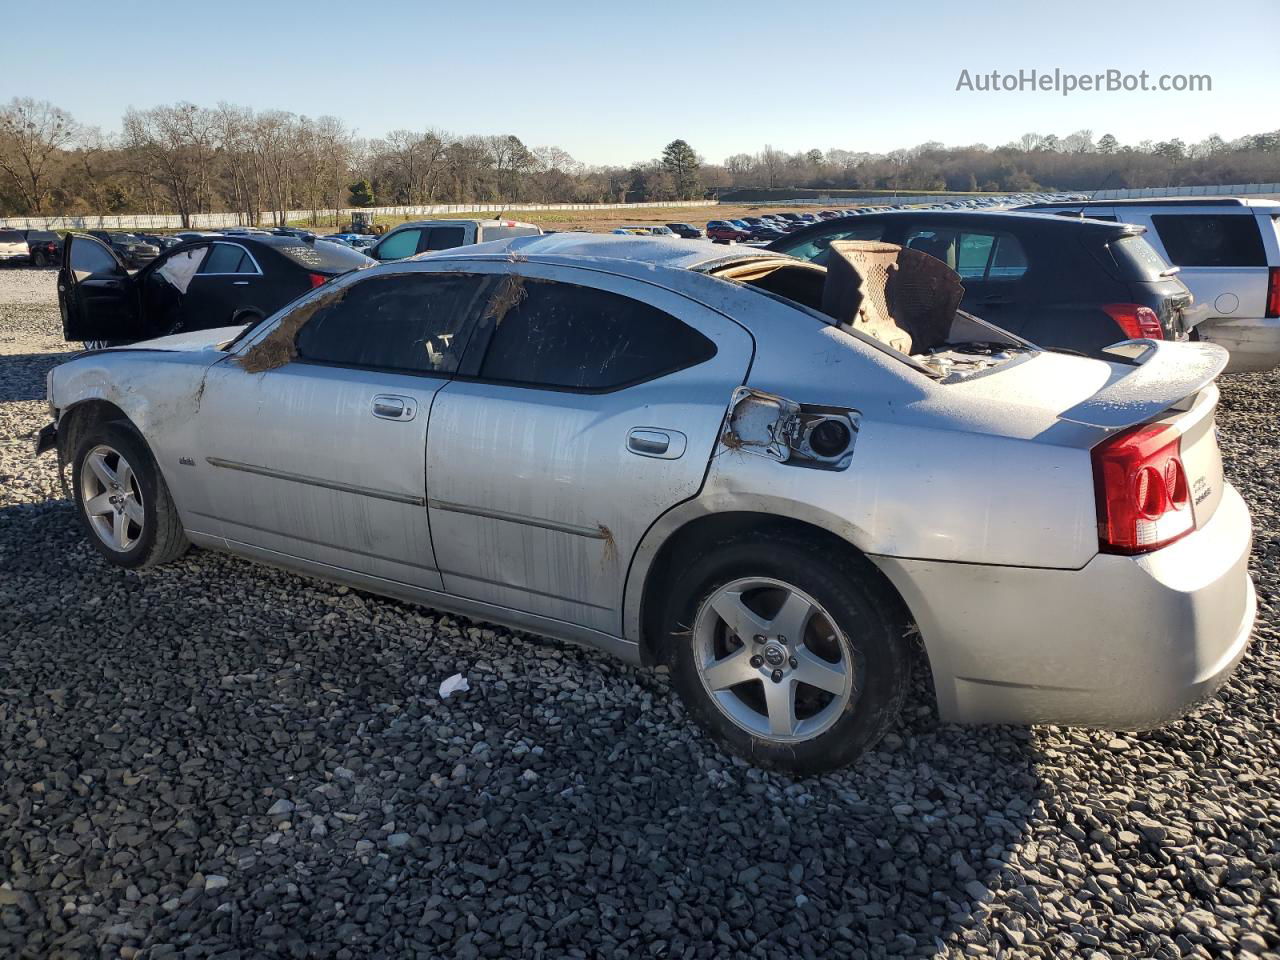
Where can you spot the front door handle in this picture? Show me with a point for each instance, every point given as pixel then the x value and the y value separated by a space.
pixel 239 283
pixel 389 407
pixel 656 442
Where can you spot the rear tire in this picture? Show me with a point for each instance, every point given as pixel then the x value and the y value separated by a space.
pixel 40 259
pixel 122 500
pixel 789 654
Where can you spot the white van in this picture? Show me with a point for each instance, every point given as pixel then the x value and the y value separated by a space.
pixel 13 245
pixel 419 236
pixel 1227 250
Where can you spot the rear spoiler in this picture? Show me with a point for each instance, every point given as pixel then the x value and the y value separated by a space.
pixel 1161 375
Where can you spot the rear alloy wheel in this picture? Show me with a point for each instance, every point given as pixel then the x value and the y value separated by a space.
pixel 787 651
pixel 772 659
pixel 122 500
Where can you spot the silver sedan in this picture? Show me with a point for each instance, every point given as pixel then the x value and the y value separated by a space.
pixel 686 454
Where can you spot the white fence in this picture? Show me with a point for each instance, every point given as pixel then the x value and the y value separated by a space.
pixel 170 221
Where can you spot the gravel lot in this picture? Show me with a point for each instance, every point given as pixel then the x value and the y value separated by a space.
pixel 216 759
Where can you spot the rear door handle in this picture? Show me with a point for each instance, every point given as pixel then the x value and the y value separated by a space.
pixel 239 283
pixel 389 407
pixel 656 442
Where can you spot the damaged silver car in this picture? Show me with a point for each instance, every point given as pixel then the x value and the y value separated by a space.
pixel 775 477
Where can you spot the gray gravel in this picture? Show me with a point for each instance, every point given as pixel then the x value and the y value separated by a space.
pixel 216 759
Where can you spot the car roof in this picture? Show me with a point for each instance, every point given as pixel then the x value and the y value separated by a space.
pixel 1159 202
pixel 989 218
pixel 643 252
pixel 459 222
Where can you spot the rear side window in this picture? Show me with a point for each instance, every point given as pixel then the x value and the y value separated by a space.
pixel 444 238
pixel 501 233
pixel 399 245
pixel 571 337
pixel 1211 240
pixel 972 254
pixel 816 249
pixel 228 258
pixel 416 323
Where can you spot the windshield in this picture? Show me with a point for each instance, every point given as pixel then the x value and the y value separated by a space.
pixel 1140 260
pixel 325 257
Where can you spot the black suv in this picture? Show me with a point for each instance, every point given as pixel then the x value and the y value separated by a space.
pixel 1065 284
pixel 44 247
pixel 134 251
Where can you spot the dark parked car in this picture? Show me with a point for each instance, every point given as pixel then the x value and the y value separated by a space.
pixel 686 230
pixel 132 250
pixel 44 247
pixel 725 231
pixel 766 231
pixel 160 241
pixel 1065 284
pixel 207 283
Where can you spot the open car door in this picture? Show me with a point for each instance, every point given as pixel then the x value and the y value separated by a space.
pixel 96 294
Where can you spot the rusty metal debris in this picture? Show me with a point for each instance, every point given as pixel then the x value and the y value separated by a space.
pixel 904 298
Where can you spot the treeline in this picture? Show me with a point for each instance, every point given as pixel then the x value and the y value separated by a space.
pixel 190 159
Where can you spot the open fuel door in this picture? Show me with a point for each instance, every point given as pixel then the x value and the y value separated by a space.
pixel 96 294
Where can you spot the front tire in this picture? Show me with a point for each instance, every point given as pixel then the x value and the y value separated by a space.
pixel 788 653
pixel 122 500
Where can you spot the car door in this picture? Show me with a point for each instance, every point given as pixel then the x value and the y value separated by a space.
pixel 227 280
pixel 992 265
pixel 96 294
pixel 323 457
pixel 590 405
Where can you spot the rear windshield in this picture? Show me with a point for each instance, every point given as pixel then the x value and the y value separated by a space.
pixel 1211 240
pixel 1139 260
pixel 324 257
pixel 41 235
pixel 10 236
pixel 501 233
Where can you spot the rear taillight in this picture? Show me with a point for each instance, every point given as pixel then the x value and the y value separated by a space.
pixel 316 279
pixel 1138 322
pixel 1273 292
pixel 1141 485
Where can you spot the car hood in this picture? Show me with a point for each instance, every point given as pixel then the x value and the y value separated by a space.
pixel 194 340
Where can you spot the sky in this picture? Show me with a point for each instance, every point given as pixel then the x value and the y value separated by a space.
pixel 613 82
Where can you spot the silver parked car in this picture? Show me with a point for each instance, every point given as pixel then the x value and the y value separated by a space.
pixel 699 456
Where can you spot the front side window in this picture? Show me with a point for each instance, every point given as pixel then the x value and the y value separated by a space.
pixel 399 245
pixel 411 323
pixel 570 337
pixel 817 248
pixel 89 258
pixel 1211 240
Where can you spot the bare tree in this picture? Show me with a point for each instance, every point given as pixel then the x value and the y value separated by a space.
pixel 33 134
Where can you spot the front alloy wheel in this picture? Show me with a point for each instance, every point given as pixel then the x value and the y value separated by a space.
pixel 112 499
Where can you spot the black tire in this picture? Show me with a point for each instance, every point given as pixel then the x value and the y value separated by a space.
pixel 40 259
pixel 159 538
pixel 847 590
